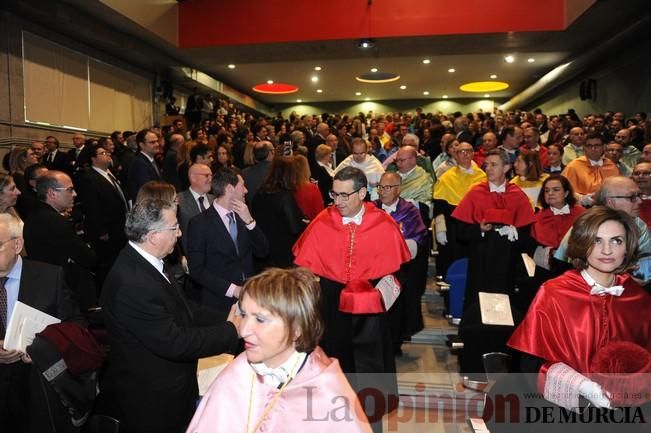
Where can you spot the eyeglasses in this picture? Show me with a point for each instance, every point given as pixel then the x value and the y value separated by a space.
pixel 632 198
pixel 174 228
pixel 63 188
pixel 344 196
pixel 386 188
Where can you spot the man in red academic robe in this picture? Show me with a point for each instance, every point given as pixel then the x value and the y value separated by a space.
pixel 354 246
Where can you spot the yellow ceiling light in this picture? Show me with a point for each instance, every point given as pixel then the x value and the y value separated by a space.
pixel 484 86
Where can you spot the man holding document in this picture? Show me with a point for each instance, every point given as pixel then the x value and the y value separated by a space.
pixel 23 405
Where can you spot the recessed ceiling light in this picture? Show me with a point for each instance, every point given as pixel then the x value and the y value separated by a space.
pixel 509 59
pixel 319 91
pixel 231 66
pixel 425 93
pixel 493 76
pixel 426 61
pixel 315 79
pixel 445 96
pixel 270 81
pixel 367 99
pixel 358 93
pixel 366 43
pixel 317 68
pixel 403 87
pixel 374 70
pixel 487 95
pixel 451 70
pixel 299 100
pixel 531 60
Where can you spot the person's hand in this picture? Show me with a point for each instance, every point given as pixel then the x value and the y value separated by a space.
pixel 9 356
pixel 234 317
pixel 442 238
pixel 485 227
pixel 26 358
pixel 240 208
pixel 592 392
pixel 586 200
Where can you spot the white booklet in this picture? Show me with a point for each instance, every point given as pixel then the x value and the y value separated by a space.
pixel 495 309
pixel 23 326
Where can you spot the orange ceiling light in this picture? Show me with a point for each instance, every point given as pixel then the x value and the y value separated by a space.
pixel 275 88
pixel 484 86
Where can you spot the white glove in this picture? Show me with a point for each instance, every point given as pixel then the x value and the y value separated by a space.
pixel 389 288
pixel 412 246
pixel 442 238
pixel 592 392
pixel 509 231
pixel 541 256
pixel 587 200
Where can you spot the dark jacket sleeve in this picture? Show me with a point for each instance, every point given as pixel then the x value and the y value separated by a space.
pixel 197 243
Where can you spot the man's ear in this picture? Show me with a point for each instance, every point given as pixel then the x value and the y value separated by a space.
pixel 363 191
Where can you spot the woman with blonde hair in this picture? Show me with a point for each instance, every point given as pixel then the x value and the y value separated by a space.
pixel 283 379
pixel 307 194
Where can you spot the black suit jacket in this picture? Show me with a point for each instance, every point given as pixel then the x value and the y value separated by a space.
pixel 324 181
pixel 156 337
pixel 254 178
pixel 212 258
pixel 60 161
pixel 140 171
pixel 187 209
pixel 42 287
pixel 104 209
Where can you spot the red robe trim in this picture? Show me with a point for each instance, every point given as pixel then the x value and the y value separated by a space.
pixel 548 229
pixel 567 324
pixel 331 250
pixel 479 199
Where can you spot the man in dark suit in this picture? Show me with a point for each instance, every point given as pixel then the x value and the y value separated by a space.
pixel 156 336
pixel 322 131
pixel 27 200
pixel 50 238
pixel 195 199
pixel 105 207
pixel 75 156
pixel 142 167
pixel 222 242
pixel 26 403
pixel 263 152
pixel 54 159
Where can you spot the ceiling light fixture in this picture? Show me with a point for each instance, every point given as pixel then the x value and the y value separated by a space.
pixel 531 60
pixel 445 96
pixel 509 59
pixel 367 99
pixel 403 87
pixel 493 76
pixel 299 100
pixel 358 93
pixel 366 44
pixel 275 89
pixel 270 81
pixel 484 86
pixel 487 95
pixel 378 77
pixel 425 93
pixel 317 68
pixel 426 61
pixel 231 66
pixel 452 70
pixel 374 70
pixel 319 91
pixel 315 79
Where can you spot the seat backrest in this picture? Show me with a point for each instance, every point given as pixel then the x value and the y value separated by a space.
pixel 459 266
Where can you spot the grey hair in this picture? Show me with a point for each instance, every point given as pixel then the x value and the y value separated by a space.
pixel 146 216
pixel 413 137
pixel 13 224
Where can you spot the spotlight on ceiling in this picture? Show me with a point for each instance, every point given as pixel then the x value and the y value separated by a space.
pixel 317 68
pixel 425 93
pixel 403 87
pixel 445 96
pixel 358 93
pixel 452 70
pixel 366 44
pixel 493 76
pixel 231 66
pixel 315 79
pixel 299 100
pixel 509 59
pixel 426 61
pixel 531 60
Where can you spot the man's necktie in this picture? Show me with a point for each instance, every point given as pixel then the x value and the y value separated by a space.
pixel 202 206
pixel 232 230
pixel 116 185
pixel 3 307
pixel 153 163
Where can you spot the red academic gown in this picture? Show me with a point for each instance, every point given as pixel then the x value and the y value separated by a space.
pixel 567 324
pixel 492 256
pixel 339 254
pixel 548 229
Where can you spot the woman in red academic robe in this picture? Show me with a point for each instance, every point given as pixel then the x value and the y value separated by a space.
pixel 584 310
